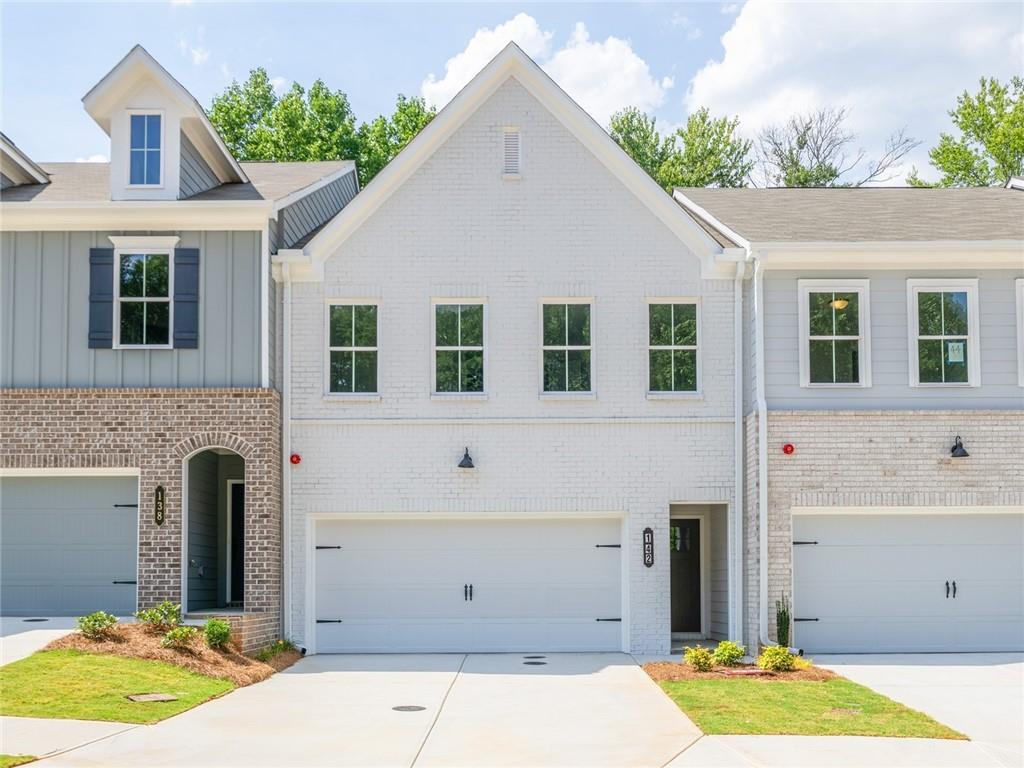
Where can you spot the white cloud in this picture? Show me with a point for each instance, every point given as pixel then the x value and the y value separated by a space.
pixel 194 50
pixel 891 64
pixel 601 76
pixel 93 159
pixel 181 2
pixel 279 84
pixel 682 21
pixel 729 9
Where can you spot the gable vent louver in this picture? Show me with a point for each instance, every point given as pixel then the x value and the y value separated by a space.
pixel 510 153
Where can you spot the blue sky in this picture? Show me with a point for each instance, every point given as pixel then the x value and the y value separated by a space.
pixel 892 64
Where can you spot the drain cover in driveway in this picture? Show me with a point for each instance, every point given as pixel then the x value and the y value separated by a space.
pixel 409 708
pixel 31 620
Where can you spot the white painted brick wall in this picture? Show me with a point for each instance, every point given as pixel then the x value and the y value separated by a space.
pixel 567 228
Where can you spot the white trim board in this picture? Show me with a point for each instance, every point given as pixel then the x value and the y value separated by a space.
pixel 915 510
pixel 69 472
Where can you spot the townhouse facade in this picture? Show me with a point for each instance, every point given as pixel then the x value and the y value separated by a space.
pixel 510 397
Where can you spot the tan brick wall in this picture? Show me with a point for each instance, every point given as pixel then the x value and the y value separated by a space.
pixel 249 631
pixel 874 458
pixel 154 430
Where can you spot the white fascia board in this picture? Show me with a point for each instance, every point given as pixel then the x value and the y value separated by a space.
pixel 938 254
pixel 134 214
pixel 309 189
pixel 512 62
pixel 119 80
pixel 31 172
pixel 710 220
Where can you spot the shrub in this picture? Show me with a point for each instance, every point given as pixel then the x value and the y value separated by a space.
pixel 282 645
pixel 782 621
pixel 728 653
pixel 775 658
pixel 96 625
pixel 161 618
pixel 180 637
pixel 701 659
pixel 217 632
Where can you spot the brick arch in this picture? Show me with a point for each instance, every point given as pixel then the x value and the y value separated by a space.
pixel 203 440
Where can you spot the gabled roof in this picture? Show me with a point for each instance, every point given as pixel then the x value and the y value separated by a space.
pixel 133 68
pixel 17 166
pixel 511 62
pixel 859 215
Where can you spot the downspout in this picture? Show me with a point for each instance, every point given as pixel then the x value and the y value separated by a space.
pixel 736 530
pixel 762 456
pixel 286 446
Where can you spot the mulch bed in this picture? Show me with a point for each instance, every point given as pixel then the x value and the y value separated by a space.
pixel 662 671
pixel 139 642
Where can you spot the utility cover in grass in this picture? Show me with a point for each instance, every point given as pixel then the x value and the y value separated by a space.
pixel 152 697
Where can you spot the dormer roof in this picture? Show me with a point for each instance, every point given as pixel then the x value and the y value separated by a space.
pixel 18 167
pixel 137 67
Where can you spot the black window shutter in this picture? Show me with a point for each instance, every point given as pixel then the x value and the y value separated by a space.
pixel 186 298
pixel 101 298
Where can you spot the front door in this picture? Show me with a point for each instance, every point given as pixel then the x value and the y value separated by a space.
pixel 237 542
pixel 684 557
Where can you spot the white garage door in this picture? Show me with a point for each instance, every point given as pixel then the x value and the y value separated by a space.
pixel 68 545
pixel 457 585
pixel 878 583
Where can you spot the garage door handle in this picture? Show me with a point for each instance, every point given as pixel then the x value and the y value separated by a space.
pixel 124 582
pixel 947 590
pixel 471 593
pixel 465 593
pixel 954 589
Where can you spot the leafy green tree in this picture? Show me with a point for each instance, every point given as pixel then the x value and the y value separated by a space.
pixel 813 150
pixel 990 147
pixel 705 152
pixel 241 115
pixel 383 138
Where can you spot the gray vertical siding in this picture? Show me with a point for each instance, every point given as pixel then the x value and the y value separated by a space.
pixel 890 386
pixel 305 215
pixel 5 182
pixel 44 312
pixel 196 175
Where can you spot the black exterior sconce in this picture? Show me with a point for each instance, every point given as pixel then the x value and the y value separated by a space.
pixel 958 451
pixel 467 461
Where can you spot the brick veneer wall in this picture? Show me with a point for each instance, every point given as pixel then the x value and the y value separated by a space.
pixel 874 458
pixel 154 430
pixel 249 631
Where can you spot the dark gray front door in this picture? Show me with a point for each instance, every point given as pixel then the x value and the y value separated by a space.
pixel 684 557
pixel 68 545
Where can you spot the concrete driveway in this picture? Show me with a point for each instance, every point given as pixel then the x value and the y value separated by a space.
pixel 979 694
pixel 21 637
pixel 488 709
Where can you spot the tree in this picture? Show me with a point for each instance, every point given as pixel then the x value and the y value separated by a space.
pixel 990 148
pixel 240 115
pixel 705 152
pixel 383 138
pixel 813 150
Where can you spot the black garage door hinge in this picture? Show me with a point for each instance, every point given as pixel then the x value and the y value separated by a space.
pixel 804 619
pixel 124 582
pixel 132 506
pixel 798 543
pixel 328 621
pixel 607 619
pixel 324 546
pixel 608 546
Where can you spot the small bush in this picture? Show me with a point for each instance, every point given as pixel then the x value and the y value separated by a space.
pixel 161 618
pixel 701 659
pixel 180 638
pixel 96 625
pixel 217 632
pixel 282 645
pixel 728 653
pixel 775 658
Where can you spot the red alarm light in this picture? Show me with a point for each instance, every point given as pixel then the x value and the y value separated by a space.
pixel 788 449
pixel 296 459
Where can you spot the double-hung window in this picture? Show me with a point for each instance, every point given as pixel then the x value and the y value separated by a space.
pixel 566 349
pixel 672 346
pixel 834 333
pixel 145 148
pixel 943 339
pixel 351 348
pixel 143 290
pixel 458 348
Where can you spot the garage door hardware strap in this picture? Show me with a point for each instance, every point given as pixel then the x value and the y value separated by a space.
pixel 607 619
pixel 608 546
pixel 804 619
pixel 132 506
pixel 329 621
pixel 798 543
pixel 324 546
pixel 124 582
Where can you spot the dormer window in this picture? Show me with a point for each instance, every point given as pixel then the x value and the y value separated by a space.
pixel 146 133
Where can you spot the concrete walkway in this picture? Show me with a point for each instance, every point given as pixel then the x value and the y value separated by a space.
pixel 21 637
pixel 34 736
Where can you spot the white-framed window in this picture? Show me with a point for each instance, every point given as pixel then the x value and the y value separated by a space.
pixel 566 350
pixel 1020 330
pixel 673 362
pixel 145 148
pixel 835 333
pixel 944 339
pixel 352 347
pixel 459 333
pixel 143 292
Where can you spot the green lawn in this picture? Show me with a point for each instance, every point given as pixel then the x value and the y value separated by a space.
pixel 9 761
pixel 84 686
pixel 834 707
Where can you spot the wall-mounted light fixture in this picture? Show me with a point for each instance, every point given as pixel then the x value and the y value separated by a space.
pixel 840 304
pixel 467 461
pixel 958 451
